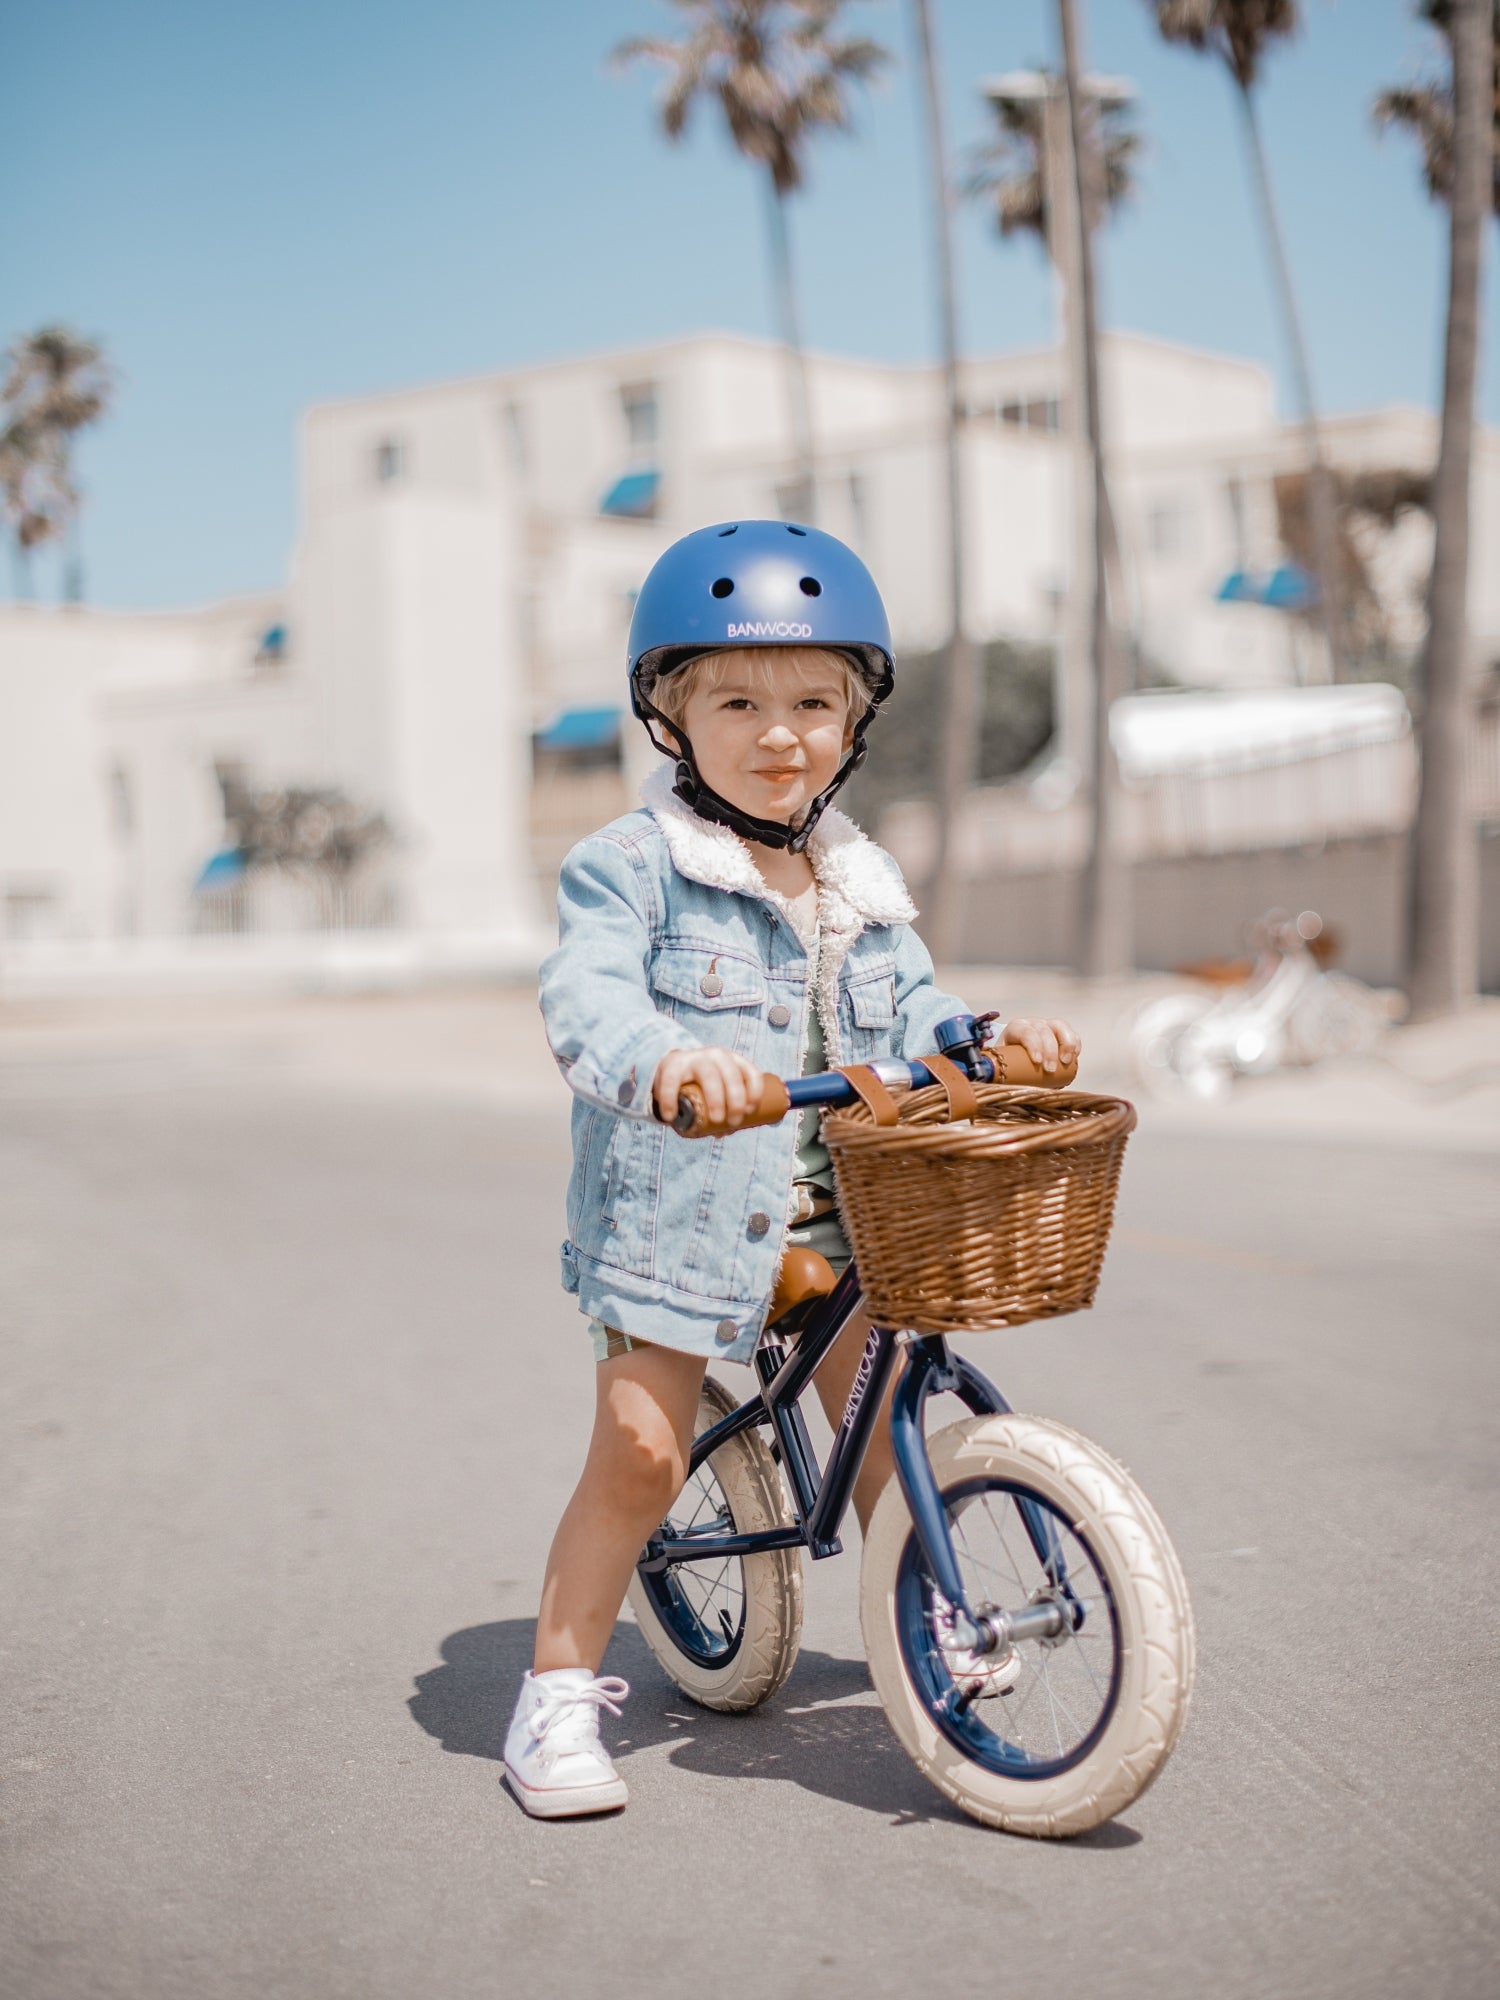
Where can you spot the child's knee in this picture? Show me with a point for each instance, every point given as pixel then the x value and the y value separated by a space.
pixel 642 1466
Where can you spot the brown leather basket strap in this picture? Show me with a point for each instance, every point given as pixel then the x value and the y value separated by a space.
pixel 872 1093
pixel 963 1099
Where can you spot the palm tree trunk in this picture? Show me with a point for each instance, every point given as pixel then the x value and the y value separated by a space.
pixel 959 748
pixel 1105 922
pixel 1321 502
pixel 799 402
pixel 1444 936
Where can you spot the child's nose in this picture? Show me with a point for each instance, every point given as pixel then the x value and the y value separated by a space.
pixel 779 736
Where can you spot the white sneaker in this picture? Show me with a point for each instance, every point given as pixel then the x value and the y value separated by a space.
pixel 554 1760
pixel 980 1675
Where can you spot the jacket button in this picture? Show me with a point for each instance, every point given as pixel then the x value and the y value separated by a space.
pixel 710 986
pixel 759 1223
pixel 726 1332
pixel 626 1091
pixel 778 1016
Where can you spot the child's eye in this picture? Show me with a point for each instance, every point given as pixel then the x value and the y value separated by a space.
pixel 738 701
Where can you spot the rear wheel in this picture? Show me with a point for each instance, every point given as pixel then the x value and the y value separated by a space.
pixel 1039 1517
pixel 726 1631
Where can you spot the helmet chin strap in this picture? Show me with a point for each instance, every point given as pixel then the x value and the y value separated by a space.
pixel 711 805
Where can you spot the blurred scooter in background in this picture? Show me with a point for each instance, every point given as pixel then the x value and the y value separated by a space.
pixel 1284 1008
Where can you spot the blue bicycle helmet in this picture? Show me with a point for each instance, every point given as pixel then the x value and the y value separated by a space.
pixel 756 583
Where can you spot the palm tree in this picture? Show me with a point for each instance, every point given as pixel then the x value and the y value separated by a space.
pixel 1426 110
pixel 23 496
pixel 1239 32
pixel 779 72
pixel 958 749
pixel 1011 172
pixel 1025 174
pixel 55 385
pixel 1443 941
pixel 314 834
pixel 1105 925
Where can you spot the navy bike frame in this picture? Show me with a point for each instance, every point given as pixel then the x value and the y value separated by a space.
pixel 820 1498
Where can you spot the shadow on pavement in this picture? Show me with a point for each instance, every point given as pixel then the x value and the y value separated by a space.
pixel 816 1733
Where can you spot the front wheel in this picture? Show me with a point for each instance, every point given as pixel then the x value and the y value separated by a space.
pixel 1039 1516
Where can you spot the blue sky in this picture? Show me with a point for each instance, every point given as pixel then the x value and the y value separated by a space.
pixel 256 208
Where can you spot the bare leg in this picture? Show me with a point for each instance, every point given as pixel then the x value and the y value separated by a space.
pixel 834 1380
pixel 645 1414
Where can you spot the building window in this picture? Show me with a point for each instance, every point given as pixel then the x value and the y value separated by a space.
pixel 513 422
pixel 638 400
pixel 859 508
pixel 390 460
pixel 1234 494
pixel 1167 528
pixel 234 786
pixel 31 912
pixel 793 500
pixel 121 803
pixel 1037 413
pixel 578 740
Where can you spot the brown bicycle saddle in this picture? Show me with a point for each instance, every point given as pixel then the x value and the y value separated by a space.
pixel 805 1275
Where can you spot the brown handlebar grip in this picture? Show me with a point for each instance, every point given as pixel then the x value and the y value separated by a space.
pixel 692 1120
pixel 1013 1065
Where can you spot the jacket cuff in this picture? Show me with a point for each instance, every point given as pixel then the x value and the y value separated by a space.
pixel 621 1081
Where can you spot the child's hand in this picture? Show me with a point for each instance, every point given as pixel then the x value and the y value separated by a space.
pixel 730 1084
pixel 1046 1042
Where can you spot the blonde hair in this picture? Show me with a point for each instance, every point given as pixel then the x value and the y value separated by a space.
pixel 671 693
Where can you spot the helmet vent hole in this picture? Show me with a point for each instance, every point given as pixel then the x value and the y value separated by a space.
pixel 811 587
pixel 795 531
pixel 729 531
pixel 723 587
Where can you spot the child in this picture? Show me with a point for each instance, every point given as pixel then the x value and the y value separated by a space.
pixel 733 925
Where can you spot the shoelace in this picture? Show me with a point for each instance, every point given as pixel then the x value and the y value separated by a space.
pixel 606 1691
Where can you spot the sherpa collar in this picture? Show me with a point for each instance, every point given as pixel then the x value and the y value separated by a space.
pixel 849 868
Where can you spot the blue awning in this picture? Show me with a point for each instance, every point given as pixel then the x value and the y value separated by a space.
pixel 1290 588
pixel 633 496
pixel 1286 588
pixel 581 729
pixel 221 870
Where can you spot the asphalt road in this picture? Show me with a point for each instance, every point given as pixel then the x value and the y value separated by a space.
pixel 291 1403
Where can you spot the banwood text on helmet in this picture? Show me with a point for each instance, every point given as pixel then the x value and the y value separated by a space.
pixel 755 583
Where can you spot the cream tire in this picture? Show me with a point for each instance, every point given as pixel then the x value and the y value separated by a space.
pixel 769 1585
pixel 1153 1654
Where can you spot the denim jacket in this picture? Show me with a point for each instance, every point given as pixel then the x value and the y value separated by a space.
pixel 671 940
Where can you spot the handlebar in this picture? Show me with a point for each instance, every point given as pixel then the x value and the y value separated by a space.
pixel 778 1096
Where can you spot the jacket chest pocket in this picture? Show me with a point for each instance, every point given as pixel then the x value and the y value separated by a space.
pixel 717 997
pixel 870 1008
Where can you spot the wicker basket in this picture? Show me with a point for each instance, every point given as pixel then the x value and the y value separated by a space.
pixel 997 1220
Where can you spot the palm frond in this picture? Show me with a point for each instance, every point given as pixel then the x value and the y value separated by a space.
pixel 777 69
pixel 1237 30
pixel 1011 173
pixel 1425 109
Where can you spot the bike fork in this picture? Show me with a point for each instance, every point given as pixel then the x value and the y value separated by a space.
pixel 931 1366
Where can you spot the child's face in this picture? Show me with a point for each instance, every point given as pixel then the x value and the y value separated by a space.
pixel 771 733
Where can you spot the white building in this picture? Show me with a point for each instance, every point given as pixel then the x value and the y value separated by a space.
pixel 462 588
